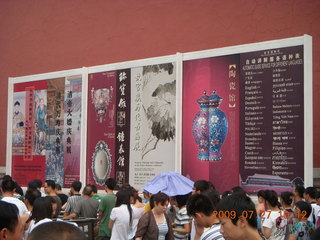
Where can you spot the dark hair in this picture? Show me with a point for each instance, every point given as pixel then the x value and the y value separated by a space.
pixel 214 197
pixel 272 198
pixel 226 194
pixel 32 185
pixel 57 230
pixel 51 183
pixel 200 203
pixel 111 183
pixel 87 190
pixel 239 203
pixel 304 206
pixel 238 189
pixel 201 185
pixel 160 197
pixel 287 197
pixel 31 195
pixel 182 200
pixel 94 188
pixel 76 185
pixel 300 190
pixel 262 193
pixel 318 195
pixel 8 185
pixel 42 208
pixel 38 182
pixel 9 216
pixel 58 187
pixel 311 191
pixel 123 197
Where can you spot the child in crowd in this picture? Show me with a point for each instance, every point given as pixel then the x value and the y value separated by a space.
pixel 303 229
pixel 182 223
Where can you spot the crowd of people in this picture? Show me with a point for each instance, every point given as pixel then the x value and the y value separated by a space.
pixel 203 214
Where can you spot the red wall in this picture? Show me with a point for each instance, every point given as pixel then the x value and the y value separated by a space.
pixel 38 36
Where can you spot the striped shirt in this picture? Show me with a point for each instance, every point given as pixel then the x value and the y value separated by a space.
pixel 181 219
pixel 212 233
pixel 71 203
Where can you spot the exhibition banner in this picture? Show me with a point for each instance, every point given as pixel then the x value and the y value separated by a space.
pixel 249 132
pixel 131 124
pixel 37 132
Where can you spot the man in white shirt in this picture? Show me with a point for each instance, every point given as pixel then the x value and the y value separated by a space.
pixel 8 186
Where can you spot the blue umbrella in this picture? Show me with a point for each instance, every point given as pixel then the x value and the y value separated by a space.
pixel 170 183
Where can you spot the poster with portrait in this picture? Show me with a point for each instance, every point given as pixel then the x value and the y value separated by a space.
pixel 37 132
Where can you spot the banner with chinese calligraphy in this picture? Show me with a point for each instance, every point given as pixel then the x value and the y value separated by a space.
pixel 37 132
pixel 131 124
pixel 243 119
pixel 210 117
pixel 153 122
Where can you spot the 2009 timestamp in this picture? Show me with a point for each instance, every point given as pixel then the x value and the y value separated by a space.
pixel 232 214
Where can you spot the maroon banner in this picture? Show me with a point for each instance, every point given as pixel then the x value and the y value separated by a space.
pixel 210 133
pixel 101 127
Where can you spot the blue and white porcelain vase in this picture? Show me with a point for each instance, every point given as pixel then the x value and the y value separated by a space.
pixel 218 127
pixel 200 128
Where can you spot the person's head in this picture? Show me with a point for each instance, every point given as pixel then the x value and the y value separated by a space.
pixel 32 185
pixel 87 191
pixel 226 194
pixel 8 186
pixel 11 227
pixel 42 208
pixel 286 199
pixel 310 194
pixel 302 210
pixel 318 198
pixel 244 216
pixel 159 202
pixel 182 200
pixel 298 193
pixel 261 196
pixel 214 196
pixel 201 186
pixel 41 102
pixel 49 186
pixel 76 187
pixel 17 107
pixel 31 195
pixel 58 188
pixel 201 208
pixel 272 198
pixel 238 189
pixel 111 184
pixel 57 230
pixel 38 182
pixel 94 189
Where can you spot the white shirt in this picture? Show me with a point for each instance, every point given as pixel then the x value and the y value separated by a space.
pixel 121 217
pixel 315 213
pixel 136 215
pixel 277 222
pixel 20 205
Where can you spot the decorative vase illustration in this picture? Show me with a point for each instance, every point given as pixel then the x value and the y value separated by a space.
pixel 210 127
pixel 200 127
